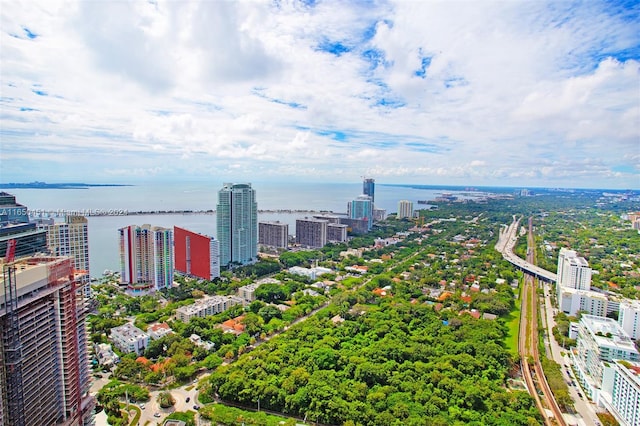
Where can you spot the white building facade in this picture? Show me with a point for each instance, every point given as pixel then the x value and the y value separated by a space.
pixel 629 318
pixel 573 271
pixel 206 307
pixel 599 340
pixel 571 301
pixel 621 392
pixel 405 209
pixel 129 338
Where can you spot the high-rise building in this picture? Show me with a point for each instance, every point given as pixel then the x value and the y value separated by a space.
pixel 379 214
pixel 274 234
pixel 44 369
pixel 70 238
pixel 28 239
pixel 369 188
pixel 405 209
pixel 573 271
pixel 195 254
pixel 311 232
pixel 621 391
pixel 237 224
pixel 146 257
pixel 336 232
pixel 356 226
pixel 362 208
pixel 10 211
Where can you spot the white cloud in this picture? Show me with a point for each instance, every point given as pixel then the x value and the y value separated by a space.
pixel 418 92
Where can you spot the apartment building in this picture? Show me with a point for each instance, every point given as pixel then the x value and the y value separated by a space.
pixel 196 255
pixel 572 300
pixel 405 209
pixel 629 317
pixel 129 338
pixel 44 371
pixel 206 307
pixel 621 392
pixel 336 233
pixel 146 258
pixel 311 232
pixel 248 292
pixel 237 224
pixel 599 340
pixel 273 234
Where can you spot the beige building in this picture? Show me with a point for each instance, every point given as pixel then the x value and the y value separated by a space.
pixel 207 307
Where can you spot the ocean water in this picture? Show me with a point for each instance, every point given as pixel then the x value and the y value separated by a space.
pixel 122 201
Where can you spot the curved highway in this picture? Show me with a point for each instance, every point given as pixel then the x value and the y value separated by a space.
pixel 506 242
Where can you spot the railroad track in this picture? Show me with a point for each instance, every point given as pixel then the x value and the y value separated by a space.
pixel 528 345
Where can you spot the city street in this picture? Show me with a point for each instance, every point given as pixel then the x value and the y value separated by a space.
pixel 151 407
pixel 586 413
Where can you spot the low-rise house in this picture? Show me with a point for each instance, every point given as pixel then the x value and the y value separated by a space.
pixel 357 269
pixel 105 355
pixel 382 292
pixel 311 273
pixel 233 325
pixel 158 330
pixel 197 340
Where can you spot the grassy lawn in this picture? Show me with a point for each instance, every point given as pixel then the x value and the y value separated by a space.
pixel 224 415
pixel 132 407
pixel 512 321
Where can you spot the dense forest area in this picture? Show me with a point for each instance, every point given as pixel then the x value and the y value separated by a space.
pixel 389 362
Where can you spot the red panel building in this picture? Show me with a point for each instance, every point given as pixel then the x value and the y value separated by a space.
pixel 196 255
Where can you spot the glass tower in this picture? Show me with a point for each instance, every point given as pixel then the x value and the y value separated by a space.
pixel 237 224
pixel 369 188
pixel 362 208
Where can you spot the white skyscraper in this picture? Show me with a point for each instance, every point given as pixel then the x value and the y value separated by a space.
pixel 405 209
pixel 573 272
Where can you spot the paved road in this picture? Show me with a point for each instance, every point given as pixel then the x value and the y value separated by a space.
pixel 586 412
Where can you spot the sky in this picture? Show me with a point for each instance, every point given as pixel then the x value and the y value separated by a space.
pixel 485 93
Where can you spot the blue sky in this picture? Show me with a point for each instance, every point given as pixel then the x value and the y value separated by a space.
pixel 517 93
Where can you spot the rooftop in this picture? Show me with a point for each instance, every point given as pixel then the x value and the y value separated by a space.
pixel 607 332
pixel 631 368
pixel 129 332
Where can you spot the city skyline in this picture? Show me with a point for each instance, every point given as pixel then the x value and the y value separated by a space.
pixel 541 94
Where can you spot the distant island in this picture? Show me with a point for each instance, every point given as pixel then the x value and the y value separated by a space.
pixel 44 185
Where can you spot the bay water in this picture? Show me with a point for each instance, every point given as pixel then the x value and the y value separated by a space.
pixel 285 202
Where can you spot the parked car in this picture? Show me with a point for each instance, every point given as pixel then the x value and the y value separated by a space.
pixel 156 415
pixel 196 407
pixel 188 399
